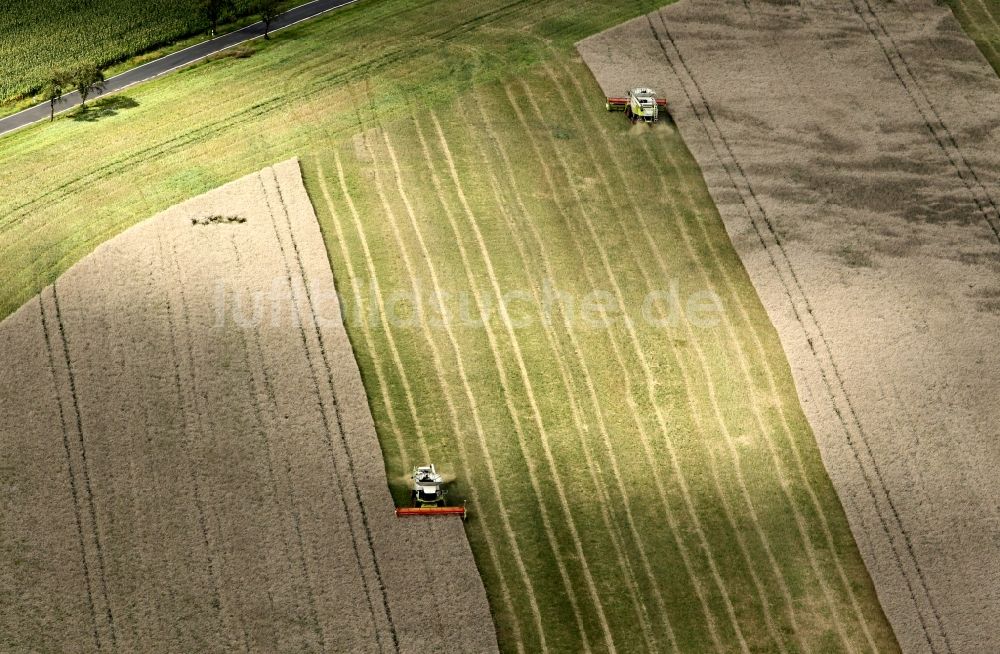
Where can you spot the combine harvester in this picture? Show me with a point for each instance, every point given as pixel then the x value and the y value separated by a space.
pixel 428 495
pixel 640 104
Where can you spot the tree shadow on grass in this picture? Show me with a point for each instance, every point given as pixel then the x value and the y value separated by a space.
pixel 104 108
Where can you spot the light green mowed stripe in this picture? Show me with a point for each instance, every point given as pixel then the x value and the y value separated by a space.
pixel 551 206
pixel 676 557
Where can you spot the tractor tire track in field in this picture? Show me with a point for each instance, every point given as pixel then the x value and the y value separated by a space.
pixel 512 412
pixel 415 417
pixel 440 374
pixel 470 395
pixel 257 364
pixel 640 356
pixel 525 381
pixel 85 467
pixel 774 450
pixel 340 428
pixel 181 348
pixel 827 532
pixel 362 322
pixel 705 370
pixel 576 350
pixel 329 428
pixel 914 485
pixel 932 119
pixel 736 298
pixel 383 387
pixel 353 73
pixel 205 419
pixel 687 378
pixel 771 241
pixel 64 428
pixel 150 473
pixel 380 303
pixel 553 344
pixel 716 578
pixel 219 448
pixel 650 458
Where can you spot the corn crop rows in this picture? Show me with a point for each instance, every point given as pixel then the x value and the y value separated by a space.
pixel 37 37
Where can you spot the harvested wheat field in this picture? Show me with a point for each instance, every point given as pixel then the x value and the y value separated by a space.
pixel 189 461
pixel 853 150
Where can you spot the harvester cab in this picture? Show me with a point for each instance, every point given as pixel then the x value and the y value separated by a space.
pixel 640 104
pixel 428 487
pixel 428 495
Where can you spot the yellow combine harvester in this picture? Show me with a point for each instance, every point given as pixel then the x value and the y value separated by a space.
pixel 428 495
pixel 640 104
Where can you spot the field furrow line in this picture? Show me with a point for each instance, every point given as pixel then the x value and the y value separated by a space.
pixel 668 193
pixel 576 406
pixel 380 303
pixel 74 492
pixel 650 383
pixel 186 443
pixel 117 500
pixel 576 349
pixel 139 517
pixel 853 431
pixel 962 9
pixel 255 109
pixel 202 415
pixel 775 396
pixel 639 215
pixel 128 160
pixel 767 367
pixel 329 427
pixel 686 496
pixel 393 221
pixel 907 78
pixel 268 494
pixel 525 380
pixel 626 373
pixel 255 388
pixel 453 413
pixel 85 468
pixel 141 534
pixel 380 379
pixel 918 95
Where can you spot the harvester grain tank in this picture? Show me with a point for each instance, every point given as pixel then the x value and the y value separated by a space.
pixel 639 104
pixel 428 495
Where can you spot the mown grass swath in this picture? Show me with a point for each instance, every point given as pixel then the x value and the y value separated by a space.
pixel 981 20
pixel 744 541
pixel 635 487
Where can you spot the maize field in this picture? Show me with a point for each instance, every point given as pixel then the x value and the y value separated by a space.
pixel 39 37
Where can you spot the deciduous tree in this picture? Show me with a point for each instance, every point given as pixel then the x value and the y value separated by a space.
pixel 57 84
pixel 87 78
pixel 212 10
pixel 268 11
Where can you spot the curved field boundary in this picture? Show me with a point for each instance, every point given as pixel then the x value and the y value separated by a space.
pixel 206 395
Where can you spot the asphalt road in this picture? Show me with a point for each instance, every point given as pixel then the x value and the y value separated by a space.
pixel 179 59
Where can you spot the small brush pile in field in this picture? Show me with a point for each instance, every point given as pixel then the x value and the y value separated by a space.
pixel 183 473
